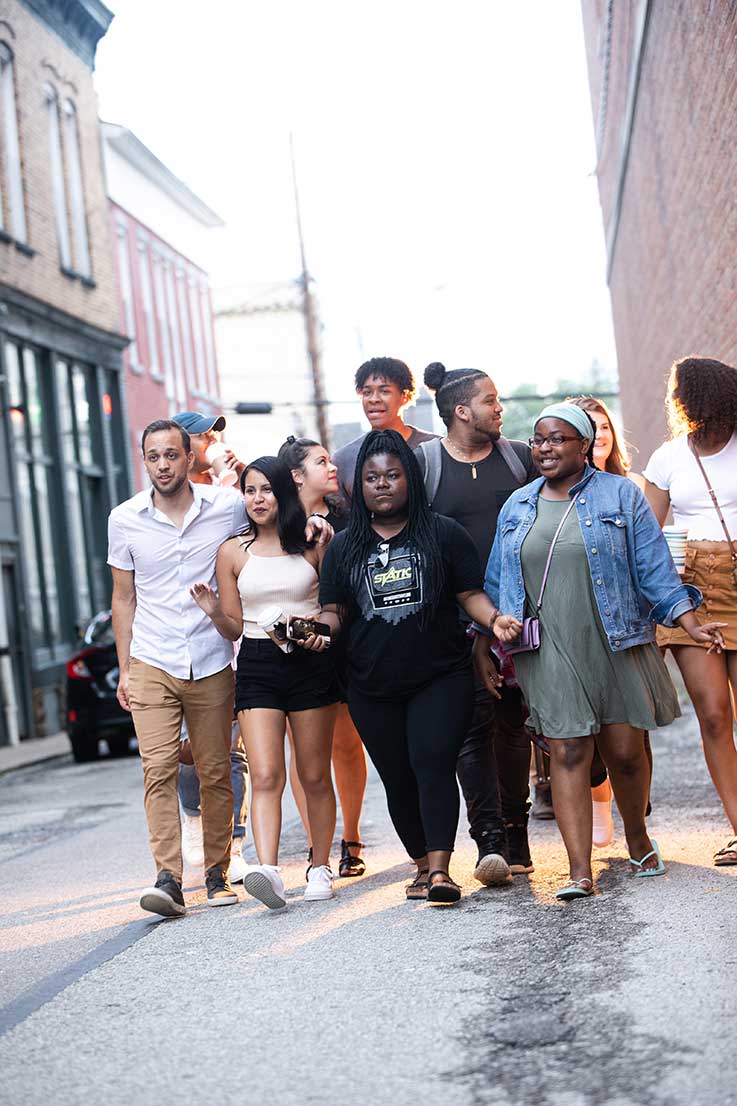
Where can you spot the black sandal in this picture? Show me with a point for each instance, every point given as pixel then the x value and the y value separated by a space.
pixel 308 869
pixel 351 865
pixel 417 889
pixel 444 890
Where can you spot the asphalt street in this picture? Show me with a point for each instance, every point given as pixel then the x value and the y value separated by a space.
pixel 626 999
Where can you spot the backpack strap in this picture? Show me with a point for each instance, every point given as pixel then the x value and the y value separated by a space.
pixel 431 463
pixel 514 464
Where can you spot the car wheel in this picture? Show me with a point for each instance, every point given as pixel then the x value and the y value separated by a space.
pixel 119 745
pixel 85 747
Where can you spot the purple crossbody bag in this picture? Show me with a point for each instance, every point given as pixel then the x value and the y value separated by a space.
pixel 529 639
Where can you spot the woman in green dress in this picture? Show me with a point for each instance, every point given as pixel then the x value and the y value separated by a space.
pixel 597 671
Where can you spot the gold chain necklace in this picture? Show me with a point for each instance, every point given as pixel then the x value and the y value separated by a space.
pixel 459 449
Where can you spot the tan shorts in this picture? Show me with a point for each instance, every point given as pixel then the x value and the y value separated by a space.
pixel 709 567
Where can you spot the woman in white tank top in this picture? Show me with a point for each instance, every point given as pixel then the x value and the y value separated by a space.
pixel 272 565
pixel 316 478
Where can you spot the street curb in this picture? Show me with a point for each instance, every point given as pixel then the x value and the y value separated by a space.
pixel 37 751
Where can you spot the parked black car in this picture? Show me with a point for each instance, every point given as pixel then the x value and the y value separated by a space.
pixel 93 710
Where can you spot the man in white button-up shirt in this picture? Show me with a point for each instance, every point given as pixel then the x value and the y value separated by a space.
pixel 173 662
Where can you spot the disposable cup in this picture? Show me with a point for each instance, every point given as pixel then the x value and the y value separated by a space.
pixel 215 454
pixel 677 540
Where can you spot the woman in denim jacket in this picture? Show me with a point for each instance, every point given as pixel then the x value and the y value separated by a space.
pixel 598 671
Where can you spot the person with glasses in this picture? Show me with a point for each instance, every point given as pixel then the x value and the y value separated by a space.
pixel 581 551
pixel 391 583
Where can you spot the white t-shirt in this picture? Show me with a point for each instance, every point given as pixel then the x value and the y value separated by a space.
pixel 674 469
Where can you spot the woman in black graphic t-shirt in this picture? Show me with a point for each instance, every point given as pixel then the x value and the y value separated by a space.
pixel 391 583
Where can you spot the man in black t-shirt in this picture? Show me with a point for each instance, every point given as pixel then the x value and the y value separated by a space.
pixel 385 386
pixel 469 475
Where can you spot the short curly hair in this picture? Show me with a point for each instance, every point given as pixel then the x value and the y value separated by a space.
pixel 388 368
pixel 702 398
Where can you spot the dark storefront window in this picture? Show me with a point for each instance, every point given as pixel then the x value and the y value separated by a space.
pixel 68 467
pixel 80 409
pixel 35 476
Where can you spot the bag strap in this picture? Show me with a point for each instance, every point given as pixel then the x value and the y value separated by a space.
pixel 514 464
pixel 571 505
pixel 432 463
pixel 715 501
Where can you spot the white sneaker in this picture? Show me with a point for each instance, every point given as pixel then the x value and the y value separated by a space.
pixel 603 826
pixel 319 884
pixel 193 850
pixel 265 884
pixel 238 865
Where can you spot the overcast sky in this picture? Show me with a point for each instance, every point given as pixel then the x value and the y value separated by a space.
pixel 444 154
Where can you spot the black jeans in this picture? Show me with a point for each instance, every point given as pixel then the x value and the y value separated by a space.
pixel 414 746
pixel 494 761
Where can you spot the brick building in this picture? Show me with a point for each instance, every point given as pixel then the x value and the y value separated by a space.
pixel 663 79
pixel 61 438
pixel 161 231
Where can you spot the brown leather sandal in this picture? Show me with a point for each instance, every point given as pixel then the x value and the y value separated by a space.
pixel 417 889
pixel 727 855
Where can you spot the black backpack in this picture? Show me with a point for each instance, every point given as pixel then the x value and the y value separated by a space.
pixel 431 462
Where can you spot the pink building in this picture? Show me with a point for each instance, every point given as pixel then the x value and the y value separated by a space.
pixel 160 231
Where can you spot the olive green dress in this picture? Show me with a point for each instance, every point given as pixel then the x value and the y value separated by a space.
pixel 575 683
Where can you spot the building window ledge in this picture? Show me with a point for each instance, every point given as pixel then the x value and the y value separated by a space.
pixel 156 376
pixel 72 274
pixel 137 370
pixel 216 401
pixel 21 247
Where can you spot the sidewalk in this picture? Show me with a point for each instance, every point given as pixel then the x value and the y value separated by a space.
pixel 33 752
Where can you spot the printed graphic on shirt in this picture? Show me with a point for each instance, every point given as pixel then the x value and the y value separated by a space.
pixel 393 580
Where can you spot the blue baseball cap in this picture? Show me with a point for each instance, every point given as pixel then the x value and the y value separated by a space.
pixel 196 423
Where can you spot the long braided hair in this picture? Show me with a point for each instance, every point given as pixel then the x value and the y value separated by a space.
pixel 359 537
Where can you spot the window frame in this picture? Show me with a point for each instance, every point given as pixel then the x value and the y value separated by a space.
pixel 12 197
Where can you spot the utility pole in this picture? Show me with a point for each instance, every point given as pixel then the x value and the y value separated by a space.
pixel 311 322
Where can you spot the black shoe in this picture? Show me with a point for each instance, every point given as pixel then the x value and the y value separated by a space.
pixel 165 897
pixel 219 891
pixel 520 861
pixel 492 866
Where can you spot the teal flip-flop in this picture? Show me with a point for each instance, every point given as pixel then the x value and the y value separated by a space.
pixel 655 851
pixel 575 889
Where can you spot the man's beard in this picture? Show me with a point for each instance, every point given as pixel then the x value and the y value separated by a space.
pixel 483 432
pixel 170 489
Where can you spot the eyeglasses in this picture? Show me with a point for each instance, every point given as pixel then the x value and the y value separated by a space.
pixel 555 439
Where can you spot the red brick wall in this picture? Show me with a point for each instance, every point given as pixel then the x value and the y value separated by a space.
pixel 166 370
pixel 674 268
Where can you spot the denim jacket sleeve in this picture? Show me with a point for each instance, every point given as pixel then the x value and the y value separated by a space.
pixel 657 576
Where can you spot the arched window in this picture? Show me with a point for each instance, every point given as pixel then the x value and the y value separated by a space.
pixel 76 190
pixel 58 185
pixel 12 208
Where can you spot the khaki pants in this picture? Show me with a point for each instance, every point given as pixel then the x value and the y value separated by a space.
pixel 158 703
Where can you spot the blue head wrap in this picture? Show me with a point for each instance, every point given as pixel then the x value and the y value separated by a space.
pixel 570 413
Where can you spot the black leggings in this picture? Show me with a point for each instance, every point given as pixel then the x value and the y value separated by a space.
pixel 414 745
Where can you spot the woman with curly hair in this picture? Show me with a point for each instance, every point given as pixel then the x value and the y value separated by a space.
pixel 700 459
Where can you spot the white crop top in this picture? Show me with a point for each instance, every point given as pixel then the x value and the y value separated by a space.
pixel 674 469
pixel 288 582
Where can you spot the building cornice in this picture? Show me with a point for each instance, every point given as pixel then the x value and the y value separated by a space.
pixel 36 321
pixel 78 23
pixel 128 146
